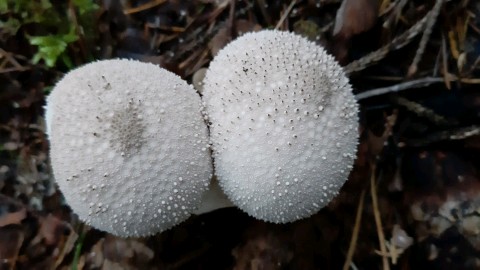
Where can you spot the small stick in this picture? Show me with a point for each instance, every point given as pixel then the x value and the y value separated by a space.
pixel 399 87
pixel 431 19
pixel 378 220
pixel 423 111
pixel 397 43
pixel 445 63
pixel 356 230
pixel 285 14
pixel 449 135
pixel 143 7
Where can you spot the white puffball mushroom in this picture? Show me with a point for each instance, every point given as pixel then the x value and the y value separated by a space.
pixel 283 123
pixel 129 146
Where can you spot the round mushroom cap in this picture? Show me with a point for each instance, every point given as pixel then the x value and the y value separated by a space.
pixel 283 124
pixel 129 146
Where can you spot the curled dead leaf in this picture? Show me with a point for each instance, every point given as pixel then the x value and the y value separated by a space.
pixel 11 212
pixel 244 26
pixel 355 16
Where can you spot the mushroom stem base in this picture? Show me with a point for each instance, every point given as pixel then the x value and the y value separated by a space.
pixel 214 198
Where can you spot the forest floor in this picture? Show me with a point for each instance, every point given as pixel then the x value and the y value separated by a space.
pixel 412 200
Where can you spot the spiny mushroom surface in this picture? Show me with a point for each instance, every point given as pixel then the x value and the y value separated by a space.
pixel 129 146
pixel 283 123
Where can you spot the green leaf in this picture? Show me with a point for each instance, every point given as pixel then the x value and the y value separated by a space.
pixel 3 6
pixel 67 61
pixel 85 6
pixel 51 47
pixel 56 21
pixel 47 90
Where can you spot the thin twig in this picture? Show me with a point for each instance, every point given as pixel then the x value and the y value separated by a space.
pixel 143 7
pixel 397 43
pixel 424 112
pixel 231 17
pixel 378 220
pixel 78 30
pixel 423 82
pixel 396 13
pixel 9 59
pixel 431 19
pixel 7 70
pixel 399 8
pixel 201 35
pixel 445 63
pixel 448 135
pixel 285 14
pixel 452 78
pixel 399 87
pixel 356 230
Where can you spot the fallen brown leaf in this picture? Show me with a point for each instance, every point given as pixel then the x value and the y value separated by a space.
pixel 11 212
pixel 52 230
pixel 11 239
pixel 244 26
pixel 67 247
pixel 354 17
pixel 94 259
pixel 13 218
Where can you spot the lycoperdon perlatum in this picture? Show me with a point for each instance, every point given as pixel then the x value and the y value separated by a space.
pixel 129 146
pixel 283 124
